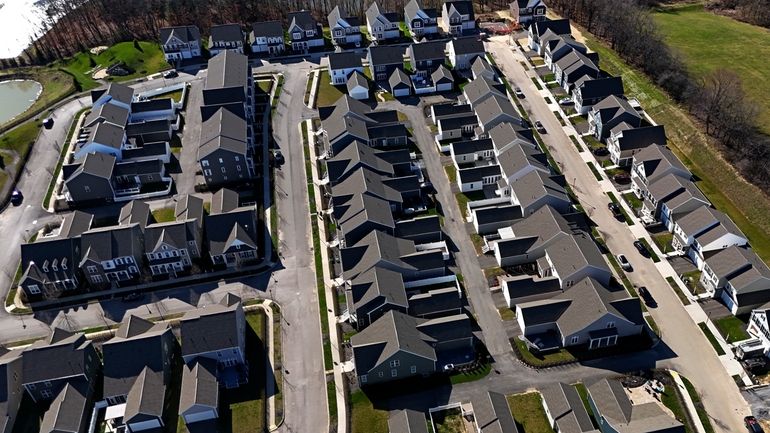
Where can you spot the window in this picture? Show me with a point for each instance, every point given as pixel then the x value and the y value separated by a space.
pixel 220 161
pixel 238 167
pixel 92 269
pixel 118 261
pixel 207 172
pixel 31 386
pixel 204 162
pixel 86 188
pixel 237 158
pixel 363 378
pixel 610 324
pixel 575 339
pixel 96 279
pixel 395 363
pixel 133 269
pixel 380 374
pixel 393 373
pixel 224 170
pixel 46 393
pixel 33 289
pixel 413 369
pixel 47 383
pixel 45 266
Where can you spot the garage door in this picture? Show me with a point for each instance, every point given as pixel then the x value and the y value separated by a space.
pixel 144 425
pixel 200 416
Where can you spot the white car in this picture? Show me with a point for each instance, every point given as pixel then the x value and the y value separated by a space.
pixel 565 101
pixel 624 263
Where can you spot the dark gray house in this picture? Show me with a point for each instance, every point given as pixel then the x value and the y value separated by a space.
pixel 111 256
pixel 172 247
pixel 589 92
pixel 383 60
pixel 360 215
pixel 401 192
pixel 392 163
pixel 90 181
pixel 199 399
pixel 70 411
pixel 226 149
pixel 349 120
pixel 373 293
pixel 421 21
pixel 304 32
pixel 399 255
pixel 609 113
pixel 11 391
pixel 229 83
pixel 426 57
pixel 225 37
pixel 231 231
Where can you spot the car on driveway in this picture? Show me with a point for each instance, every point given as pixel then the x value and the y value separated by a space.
pixel 565 101
pixel 641 248
pixel 600 151
pixel 539 127
pixel 519 94
pixel 647 297
pixel 752 425
pixel 624 263
pixel 16 197
pixel 622 178
pixel 615 209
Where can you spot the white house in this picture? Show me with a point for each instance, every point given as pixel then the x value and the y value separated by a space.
pixel 738 277
pixel 381 25
pixel 305 33
pixel 759 327
pixel 103 138
pixel 476 178
pixel 420 21
pixel 345 29
pixel 267 37
pixel 463 51
pixel 180 43
pixel 704 231
pixel 358 86
pixel 343 65
pixel 457 17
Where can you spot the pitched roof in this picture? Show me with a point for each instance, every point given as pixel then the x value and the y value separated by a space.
pixel 344 60
pixel 559 27
pixel 357 79
pixel 391 333
pixel 363 208
pixel 492 107
pixel 430 50
pixel 379 247
pixel 378 282
pixel 267 29
pixel 478 173
pixel 199 385
pixel 366 181
pixel 107 243
pixel 657 160
pixel 639 138
pixel 414 8
pixel 481 67
pixel 302 19
pixel 339 13
pixel 742 267
pixel 227 69
pixel 407 421
pixel 482 87
pixel 601 87
pixel 566 408
pixel 226 33
pixel 62 355
pixel 518 157
pixel 535 185
pixel 613 106
pixel 185 34
pixel 111 113
pixel 386 55
pixel 187 207
pixel 463 7
pixel 471 146
pixel 67 410
pixel 616 408
pixel 375 14
pixel 212 327
pixel 493 415
pixel 135 212
pixel 107 134
pixel 146 397
pixel 467 45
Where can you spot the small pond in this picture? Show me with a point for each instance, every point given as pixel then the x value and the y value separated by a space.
pixel 16 96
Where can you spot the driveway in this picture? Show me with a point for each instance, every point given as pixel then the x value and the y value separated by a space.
pixel 693 355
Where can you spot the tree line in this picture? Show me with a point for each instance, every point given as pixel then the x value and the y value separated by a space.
pixel 755 12
pixel 718 101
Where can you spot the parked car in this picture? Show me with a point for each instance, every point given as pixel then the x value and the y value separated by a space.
pixel 615 209
pixel 48 123
pixel 279 159
pixel 16 197
pixel 622 178
pixel 539 127
pixel 565 101
pixel 641 248
pixel 171 74
pixel 752 425
pixel 600 151
pixel 647 297
pixel 624 263
pixel 519 94
pixel 756 365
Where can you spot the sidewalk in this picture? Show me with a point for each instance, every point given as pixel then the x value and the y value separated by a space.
pixel 328 288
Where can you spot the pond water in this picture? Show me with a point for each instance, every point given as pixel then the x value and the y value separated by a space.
pixel 16 96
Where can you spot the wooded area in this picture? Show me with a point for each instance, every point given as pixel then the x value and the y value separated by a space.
pixel 755 12
pixel 718 101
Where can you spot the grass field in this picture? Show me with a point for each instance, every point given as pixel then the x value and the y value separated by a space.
pixel 327 94
pixel 364 417
pixel 708 42
pixel 164 215
pixel 144 61
pixel 732 328
pixel 746 204
pixel 528 412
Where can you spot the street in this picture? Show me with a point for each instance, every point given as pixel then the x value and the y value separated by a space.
pixel 694 356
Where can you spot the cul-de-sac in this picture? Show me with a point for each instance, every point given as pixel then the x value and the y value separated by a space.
pixel 384 216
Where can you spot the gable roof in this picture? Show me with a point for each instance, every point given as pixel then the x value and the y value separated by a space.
pixel 391 333
pixel 467 45
pixel 482 87
pixel 399 79
pixel 110 113
pixel 268 29
pixel 378 282
pixel 613 106
pixel 67 410
pixel 601 87
pixel 107 243
pixel 116 91
pixel 559 27
pixel 481 67
pixel 429 50
pixel 657 160
pixel 614 406
pixel 227 69
pixel 344 60
pixel 414 9
pixel 462 7
pixel 226 33
pixel 185 34
pixel 199 385
pixel 493 415
pixel 134 212
pixel 212 327
pixel 146 397
pixel 567 409
pixel 379 247
pixel 407 421
pixel 742 267
pixel 303 19
pixel 386 55
pixel 63 354
pixel 357 79
pixel 339 13
pixel 535 185
pixel 375 14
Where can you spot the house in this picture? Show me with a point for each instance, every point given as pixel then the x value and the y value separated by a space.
pixel 399 255
pixel 525 12
pixel 539 28
pixel 398 346
pixel 478 90
pixel 172 247
pixel 400 192
pixel 225 37
pixel 421 230
pixel 10 391
pixel 50 264
pixel 304 32
pixel 144 133
pixel 400 83
pixel 469 151
pixel 493 415
pixel 349 120
pixel 507 135
pixel 624 141
pixel 489 219
pixel 267 37
pixel 392 163
pixel 518 161
pixel 226 149
pixel 109 113
pixel 536 189
pixel 382 26
pixel 574 67
pixel 145 403
pixel 447 110
pixel 705 231
pixel 217 332
pixel 671 197
pixel 609 113
pixel 344 28
pixel 560 46
pixel 228 84
pixel 343 65
pixel 495 110
pixel 455 122
pixel 70 410
pixel 50 364
pixel 361 215
pixel 180 43
pixel 738 277
pixel 651 164
pixel 231 231
pixel 199 397
pixel 420 21
pixel 463 51
pixel 426 57
pixel 358 86
pixel 481 68
pixel 373 293
pixel 590 91
pixel 106 138
pixel 586 314
pixel 565 410
pixel 116 94
pixel 383 60
pixel 407 421
pixel 759 326
pixel 112 255
pixel 457 18
pixel 151 110
pixel 615 412
pixel 99 178
pixel 478 177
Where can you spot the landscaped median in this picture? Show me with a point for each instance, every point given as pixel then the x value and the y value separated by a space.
pixel 614 199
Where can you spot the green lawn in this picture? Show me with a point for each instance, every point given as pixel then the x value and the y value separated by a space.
pixel 164 215
pixel 326 93
pixel 594 170
pixel 506 313
pixel 632 200
pixel 364 418
pixel 746 204
pixel 560 356
pixel 528 412
pixel 670 399
pixel 653 255
pixel 583 392
pixel 144 61
pixel 700 37
pixel 176 95
pixel 732 328
pixel 479 372
pixel 614 199
pixel 247 403
pixel 702 414
pixel 663 241
pixel 682 297
pixel 711 338
pixel 20 138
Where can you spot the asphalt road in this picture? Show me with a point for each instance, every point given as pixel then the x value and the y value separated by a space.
pixel 694 356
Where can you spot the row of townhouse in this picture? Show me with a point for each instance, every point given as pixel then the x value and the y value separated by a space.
pixel 305 33
pixel 429 70
pixel 227 143
pixel 392 265
pixel 78 255
pixel 120 148
pixel 64 375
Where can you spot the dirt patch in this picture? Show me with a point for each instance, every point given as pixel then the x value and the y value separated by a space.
pixel 100 74
pixel 98 50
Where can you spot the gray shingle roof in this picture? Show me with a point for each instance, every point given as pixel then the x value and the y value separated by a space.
pixel 391 333
pixel 67 410
pixel 185 34
pixel 467 45
pixel 471 146
pixel 493 415
pixel 226 33
pixel 482 87
pixel 135 212
pixel 267 29
pixel 146 397
pixel 481 67
pixel 519 157
pixel 535 185
pixel 463 7
pixel 742 267
pixel 559 27
pixel 615 407
pixel 211 328
pixel 407 421
pixel 386 55
pixel 601 87
pixel 442 74
pixel 62 355
pixel 107 134
pixel 357 79
pixel 378 282
pixel 379 247
pixel 613 106
pixel 108 113
pixel 339 13
pixel 199 385
pixel 399 79
pixel 344 60
pixel 433 50
pixel 227 69
pixel 107 243
pixel 477 174
pixel 567 409
pixel 375 14
pixel 303 19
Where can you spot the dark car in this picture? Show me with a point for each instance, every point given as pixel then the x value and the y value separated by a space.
pixel 539 126
pixel 600 151
pixel 134 296
pixel 16 197
pixel 622 178
pixel 641 248
pixel 756 365
pixel 170 74
pixel 647 297
pixel 48 123
pixel 279 159
pixel 752 425
pixel 615 209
